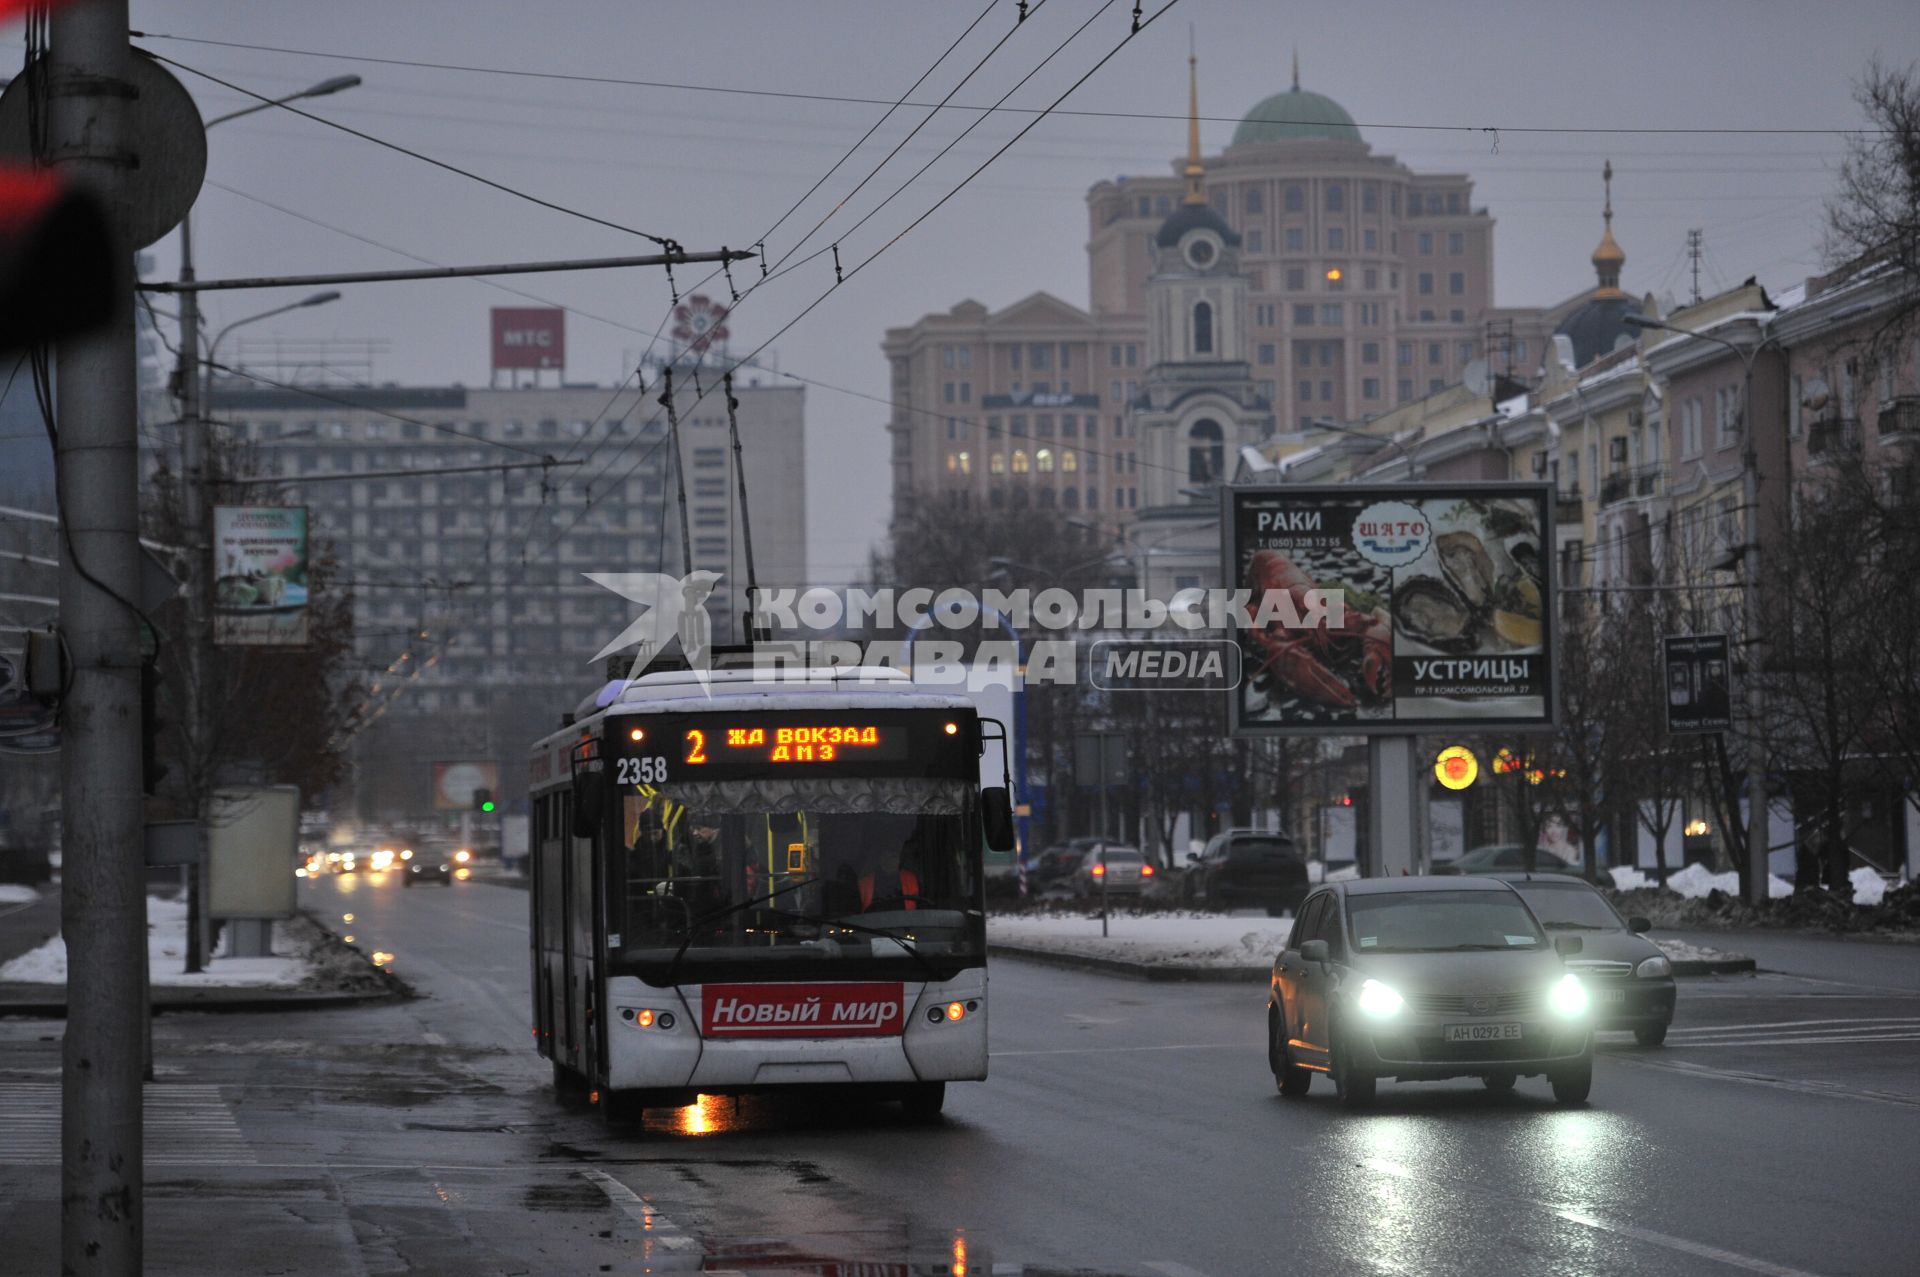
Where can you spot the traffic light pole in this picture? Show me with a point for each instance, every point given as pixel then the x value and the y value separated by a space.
pixel 103 914
pixel 193 519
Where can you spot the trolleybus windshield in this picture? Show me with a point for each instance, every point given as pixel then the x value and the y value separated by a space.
pixel 796 876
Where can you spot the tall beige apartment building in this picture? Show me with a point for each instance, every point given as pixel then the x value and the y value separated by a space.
pixel 1343 281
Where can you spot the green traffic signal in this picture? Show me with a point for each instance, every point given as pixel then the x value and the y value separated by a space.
pixel 486 806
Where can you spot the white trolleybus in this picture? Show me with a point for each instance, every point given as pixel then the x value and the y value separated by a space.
pixel 744 884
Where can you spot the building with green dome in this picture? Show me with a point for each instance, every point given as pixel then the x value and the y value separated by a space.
pixel 1365 285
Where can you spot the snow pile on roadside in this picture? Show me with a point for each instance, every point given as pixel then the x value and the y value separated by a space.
pixel 1869 888
pixel 166 952
pixel 1627 878
pixel 1196 940
pixel 15 893
pixel 1681 951
pixel 1695 881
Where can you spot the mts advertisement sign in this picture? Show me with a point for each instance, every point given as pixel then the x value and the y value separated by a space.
pixel 855 1010
pixel 1426 605
pixel 529 337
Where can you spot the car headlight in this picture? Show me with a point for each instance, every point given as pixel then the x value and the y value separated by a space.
pixel 1568 996
pixel 1380 1000
pixel 1653 968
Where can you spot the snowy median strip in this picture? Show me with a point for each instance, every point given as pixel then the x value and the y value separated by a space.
pixel 1197 946
pixel 166 955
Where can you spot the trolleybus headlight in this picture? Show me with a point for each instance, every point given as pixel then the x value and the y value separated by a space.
pixel 637 734
pixel 933 1015
pixel 644 1019
pixel 665 1021
pixel 955 1010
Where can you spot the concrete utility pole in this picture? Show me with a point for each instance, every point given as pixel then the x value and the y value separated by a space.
pixel 103 901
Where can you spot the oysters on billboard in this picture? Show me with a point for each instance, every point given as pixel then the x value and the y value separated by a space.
pixel 1436 606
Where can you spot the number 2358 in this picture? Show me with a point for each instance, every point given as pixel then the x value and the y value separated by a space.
pixel 641 771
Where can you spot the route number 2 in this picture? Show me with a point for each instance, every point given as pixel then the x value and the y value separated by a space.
pixel 641 771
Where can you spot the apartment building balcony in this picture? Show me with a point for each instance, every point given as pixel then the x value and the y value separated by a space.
pixel 1568 507
pixel 1900 420
pixel 1615 488
pixel 1646 480
pixel 1833 438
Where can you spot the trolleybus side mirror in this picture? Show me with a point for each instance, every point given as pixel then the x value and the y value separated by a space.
pixel 996 814
pixel 588 798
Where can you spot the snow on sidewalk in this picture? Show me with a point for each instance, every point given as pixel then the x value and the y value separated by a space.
pixel 14 893
pixel 1208 941
pixel 166 952
pixel 1187 940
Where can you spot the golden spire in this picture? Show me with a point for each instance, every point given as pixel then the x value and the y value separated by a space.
pixel 1609 257
pixel 1194 171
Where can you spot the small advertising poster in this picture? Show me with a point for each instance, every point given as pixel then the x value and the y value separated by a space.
pixel 260 576
pixel 1699 689
pixel 1391 609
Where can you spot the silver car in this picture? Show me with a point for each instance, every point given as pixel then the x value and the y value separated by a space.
pixel 1424 978
pixel 1124 870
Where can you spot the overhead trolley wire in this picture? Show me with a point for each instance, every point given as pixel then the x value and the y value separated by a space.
pixel 577 78
pixel 671 246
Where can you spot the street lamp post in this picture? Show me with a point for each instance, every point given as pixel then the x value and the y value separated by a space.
pixel 1757 832
pixel 191 387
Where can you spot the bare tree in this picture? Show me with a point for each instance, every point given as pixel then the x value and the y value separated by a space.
pixel 1873 220
pixel 1654 765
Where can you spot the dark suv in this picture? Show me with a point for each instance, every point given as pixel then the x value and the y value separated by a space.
pixel 1247 869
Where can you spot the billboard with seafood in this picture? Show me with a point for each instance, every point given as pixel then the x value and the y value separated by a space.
pixel 1424 607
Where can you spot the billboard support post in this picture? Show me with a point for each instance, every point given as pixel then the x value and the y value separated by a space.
pixel 1391 792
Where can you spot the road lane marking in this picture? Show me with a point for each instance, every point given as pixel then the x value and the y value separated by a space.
pixel 1692 1043
pixel 657 1227
pixel 185 1124
pixel 1171 1269
pixel 1794 1024
pixel 1828 1090
pixel 1666 1240
pixel 1681 1244
pixel 1109 1050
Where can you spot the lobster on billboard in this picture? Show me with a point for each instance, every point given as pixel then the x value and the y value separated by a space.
pixel 1423 607
pixel 529 337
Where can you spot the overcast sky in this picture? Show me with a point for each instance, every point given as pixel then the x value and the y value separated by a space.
pixel 708 168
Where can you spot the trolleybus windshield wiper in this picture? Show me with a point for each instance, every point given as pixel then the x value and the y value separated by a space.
pixel 716 915
pixel 912 949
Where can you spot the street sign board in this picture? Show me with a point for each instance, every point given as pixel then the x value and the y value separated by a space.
pixel 1699 686
pixel 253 833
pixel 1391 609
pixel 529 337
pixel 1099 758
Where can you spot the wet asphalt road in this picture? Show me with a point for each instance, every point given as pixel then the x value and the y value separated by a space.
pixel 1127 1129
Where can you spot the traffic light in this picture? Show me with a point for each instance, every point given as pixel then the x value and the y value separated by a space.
pixel 56 258
pixel 152 770
pixel 483 800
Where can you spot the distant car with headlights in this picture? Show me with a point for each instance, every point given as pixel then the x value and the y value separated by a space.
pixel 426 869
pixel 1113 868
pixel 1419 979
pixel 1630 980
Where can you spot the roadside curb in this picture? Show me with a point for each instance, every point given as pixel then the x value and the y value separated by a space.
pixel 1715 966
pixel 1151 972
pixel 49 1001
